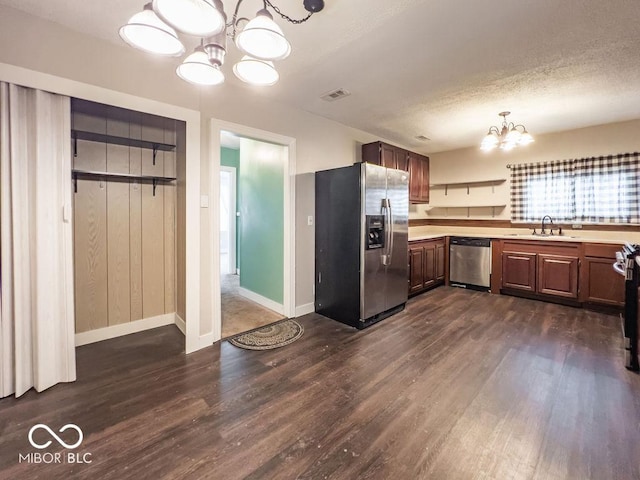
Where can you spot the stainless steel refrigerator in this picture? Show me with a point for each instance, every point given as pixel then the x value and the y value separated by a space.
pixel 362 216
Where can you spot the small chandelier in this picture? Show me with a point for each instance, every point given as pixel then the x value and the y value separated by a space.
pixel 155 30
pixel 507 137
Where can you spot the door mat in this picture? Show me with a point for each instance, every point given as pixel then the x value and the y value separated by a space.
pixel 271 336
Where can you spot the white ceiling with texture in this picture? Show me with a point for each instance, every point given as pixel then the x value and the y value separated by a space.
pixel 442 69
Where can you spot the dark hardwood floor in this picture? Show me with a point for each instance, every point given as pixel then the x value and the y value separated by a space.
pixel 461 385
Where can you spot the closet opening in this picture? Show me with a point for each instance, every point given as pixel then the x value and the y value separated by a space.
pixel 128 172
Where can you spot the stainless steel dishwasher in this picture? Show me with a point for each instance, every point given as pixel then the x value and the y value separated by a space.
pixel 470 263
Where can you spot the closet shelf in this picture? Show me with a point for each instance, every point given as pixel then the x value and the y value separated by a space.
pixel 90 174
pixel 113 139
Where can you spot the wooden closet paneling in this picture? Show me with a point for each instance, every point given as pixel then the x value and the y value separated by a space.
pixel 135 249
pixel 90 156
pixel 152 250
pixel 89 122
pixel 90 254
pixel 169 248
pixel 118 268
pixel 170 157
pixel 117 122
pixel 148 168
pixel 117 159
pixel 153 128
pixel 135 160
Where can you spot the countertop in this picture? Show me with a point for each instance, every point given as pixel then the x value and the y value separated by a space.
pixel 511 236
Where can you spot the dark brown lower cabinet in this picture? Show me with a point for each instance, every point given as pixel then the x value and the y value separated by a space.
pixel 519 271
pixel 600 284
pixel 426 264
pixel 541 268
pixel 440 261
pixel 558 275
pixel 416 268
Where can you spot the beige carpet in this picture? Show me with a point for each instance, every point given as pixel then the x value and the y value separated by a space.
pixel 240 314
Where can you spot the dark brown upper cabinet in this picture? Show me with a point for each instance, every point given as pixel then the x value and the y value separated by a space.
pixel 380 153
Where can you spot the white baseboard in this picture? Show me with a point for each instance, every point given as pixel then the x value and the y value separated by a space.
pixel 305 309
pixel 181 325
pixel 264 301
pixel 114 331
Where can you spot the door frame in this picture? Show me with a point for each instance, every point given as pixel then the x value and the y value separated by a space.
pixel 215 127
pixel 233 218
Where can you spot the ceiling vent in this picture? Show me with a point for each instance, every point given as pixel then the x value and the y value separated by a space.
pixel 335 95
pixel 422 138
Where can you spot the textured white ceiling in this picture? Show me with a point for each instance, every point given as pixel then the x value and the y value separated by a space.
pixel 443 69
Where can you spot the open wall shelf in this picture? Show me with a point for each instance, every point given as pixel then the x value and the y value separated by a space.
pixel 115 140
pixel 492 182
pixel 93 175
pixel 129 142
pixel 493 206
pixel 467 205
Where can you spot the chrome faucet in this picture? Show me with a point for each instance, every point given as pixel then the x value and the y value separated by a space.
pixel 542 231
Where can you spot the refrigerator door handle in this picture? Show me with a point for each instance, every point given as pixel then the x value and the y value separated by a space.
pixel 385 258
pixel 390 231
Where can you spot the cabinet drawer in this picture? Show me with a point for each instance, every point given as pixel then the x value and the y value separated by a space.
pixel 601 250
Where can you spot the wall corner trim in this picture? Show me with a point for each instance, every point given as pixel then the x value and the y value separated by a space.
pixel 180 323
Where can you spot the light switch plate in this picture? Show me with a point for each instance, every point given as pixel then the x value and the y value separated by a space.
pixel 204 201
pixel 310 220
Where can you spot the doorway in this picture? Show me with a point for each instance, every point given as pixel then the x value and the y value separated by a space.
pixel 228 245
pixel 252 285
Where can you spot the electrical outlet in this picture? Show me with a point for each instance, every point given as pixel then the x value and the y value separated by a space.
pixel 576 226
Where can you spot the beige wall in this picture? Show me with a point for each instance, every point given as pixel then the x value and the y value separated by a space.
pixel 470 164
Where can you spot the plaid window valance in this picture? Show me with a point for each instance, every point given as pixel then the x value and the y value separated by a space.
pixel 586 190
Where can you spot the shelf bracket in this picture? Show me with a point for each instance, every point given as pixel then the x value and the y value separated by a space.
pixel 155 183
pixel 446 189
pixel 75 183
pixel 75 146
pixel 155 150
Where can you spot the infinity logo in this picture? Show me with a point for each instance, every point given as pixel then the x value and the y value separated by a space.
pixel 60 441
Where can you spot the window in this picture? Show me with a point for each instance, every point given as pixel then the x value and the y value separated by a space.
pixel 587 190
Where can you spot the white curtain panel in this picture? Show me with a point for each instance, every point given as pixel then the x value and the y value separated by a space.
pixel 36 270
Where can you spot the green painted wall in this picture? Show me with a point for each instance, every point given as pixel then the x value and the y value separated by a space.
pixel 261 206
pixel 230 157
